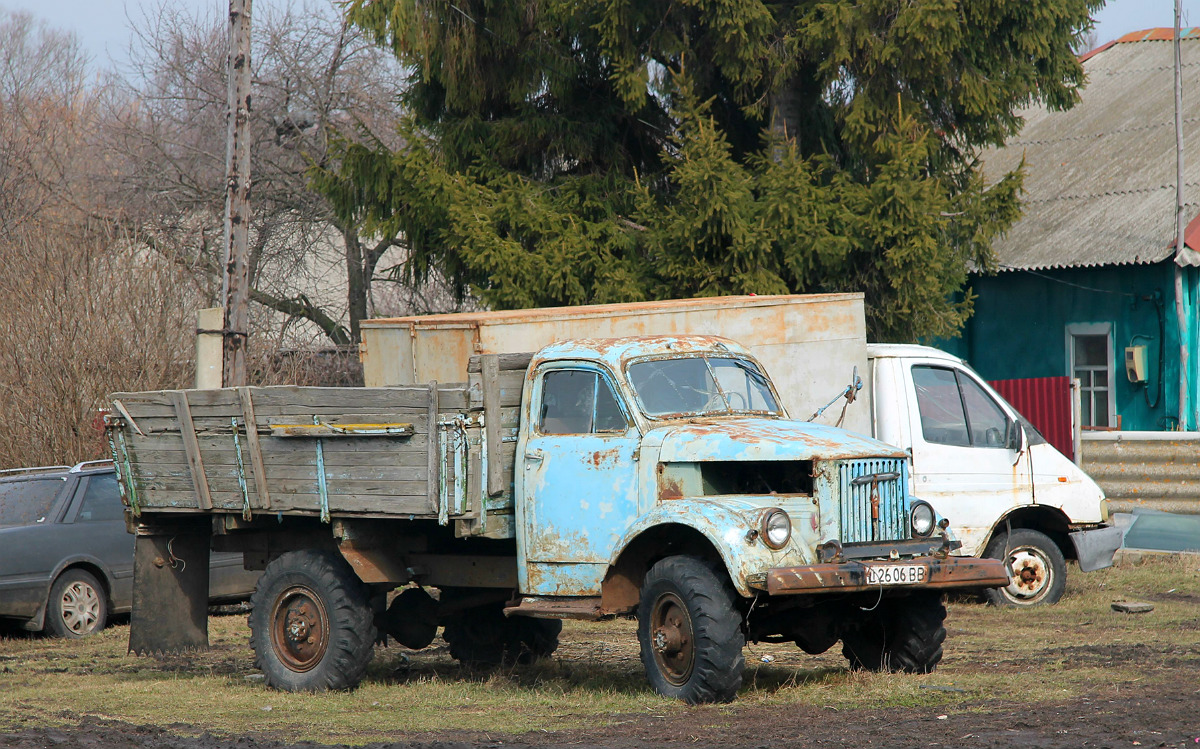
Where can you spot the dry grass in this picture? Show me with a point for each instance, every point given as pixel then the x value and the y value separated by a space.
pixel 1077 648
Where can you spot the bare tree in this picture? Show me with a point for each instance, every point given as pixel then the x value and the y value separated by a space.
pixel 315 80
pixel 44 106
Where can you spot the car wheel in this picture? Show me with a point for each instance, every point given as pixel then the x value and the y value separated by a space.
pixel 1039 572
pixel 78 605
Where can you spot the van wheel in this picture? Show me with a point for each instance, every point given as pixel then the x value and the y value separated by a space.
pixel 78 606
pixel 902 635
pixel 1039 572
pixel 690 632
pixel 311 626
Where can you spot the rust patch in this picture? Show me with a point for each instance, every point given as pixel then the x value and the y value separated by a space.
pixel 605 458
pixel 669 489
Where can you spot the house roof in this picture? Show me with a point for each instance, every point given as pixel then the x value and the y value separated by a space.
pixel 1100 181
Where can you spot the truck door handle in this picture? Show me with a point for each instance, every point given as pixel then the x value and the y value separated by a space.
pixel 533 455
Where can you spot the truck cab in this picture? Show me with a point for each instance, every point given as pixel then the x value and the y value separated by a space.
pixel 1009 493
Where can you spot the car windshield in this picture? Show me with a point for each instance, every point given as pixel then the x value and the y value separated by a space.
pixel 27 501
pixel 701 386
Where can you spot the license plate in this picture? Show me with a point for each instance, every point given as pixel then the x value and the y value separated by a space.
pixel 896 574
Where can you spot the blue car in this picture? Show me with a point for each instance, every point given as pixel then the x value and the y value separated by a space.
pixel 66 559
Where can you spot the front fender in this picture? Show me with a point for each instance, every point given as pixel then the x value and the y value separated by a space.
pixel 726 527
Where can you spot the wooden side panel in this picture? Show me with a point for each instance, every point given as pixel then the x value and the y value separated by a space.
pixel 388 475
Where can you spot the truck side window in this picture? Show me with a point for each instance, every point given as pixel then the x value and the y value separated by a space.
pixel 578 402
pixel 956 411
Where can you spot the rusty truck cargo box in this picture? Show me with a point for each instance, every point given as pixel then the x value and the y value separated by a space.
pixel 831 327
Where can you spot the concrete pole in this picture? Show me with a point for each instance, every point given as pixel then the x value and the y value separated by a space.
pixel 235 285
pixel 209 342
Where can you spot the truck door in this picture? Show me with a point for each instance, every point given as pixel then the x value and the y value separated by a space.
pixel 967 459
pixel 577 482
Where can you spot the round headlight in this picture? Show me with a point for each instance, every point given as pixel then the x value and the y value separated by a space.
pixel 923 519
pixel 776 528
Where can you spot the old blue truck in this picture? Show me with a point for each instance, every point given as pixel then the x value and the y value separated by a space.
pixel 654 477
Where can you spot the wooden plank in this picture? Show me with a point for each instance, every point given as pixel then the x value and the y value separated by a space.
pixel 195 463
pixel 298 486
pixel 256 458
pixel 414 459
pixel 490 369
pixel 276 473
pixel 377 429
pixel 506 362
pixel 305 504
pixel 279 447
pixel 291 399
pixel 434 459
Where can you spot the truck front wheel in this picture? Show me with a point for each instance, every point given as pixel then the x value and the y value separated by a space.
pixel 1039 572
pixel 310 626
pixel 690 632
pixel 901 635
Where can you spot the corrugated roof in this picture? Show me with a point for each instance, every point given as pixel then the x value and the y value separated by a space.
pixel 1100 183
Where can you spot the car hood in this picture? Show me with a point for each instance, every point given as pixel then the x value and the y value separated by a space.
pixel 763 439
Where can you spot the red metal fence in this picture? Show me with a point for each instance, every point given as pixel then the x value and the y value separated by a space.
pixel 1046 403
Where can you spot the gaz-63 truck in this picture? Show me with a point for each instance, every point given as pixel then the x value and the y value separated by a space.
pixel 655 477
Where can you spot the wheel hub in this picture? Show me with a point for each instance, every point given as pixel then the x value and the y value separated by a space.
pixel 1030 574
pixel 672 639
pixel 80 607
pixel 300 629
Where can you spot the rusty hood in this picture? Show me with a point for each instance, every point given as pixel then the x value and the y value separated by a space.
pixel 763 439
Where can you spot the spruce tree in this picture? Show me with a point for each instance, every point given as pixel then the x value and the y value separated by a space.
pixel 562 152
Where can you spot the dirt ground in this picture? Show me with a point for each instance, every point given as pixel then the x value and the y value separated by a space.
pixel 1160 715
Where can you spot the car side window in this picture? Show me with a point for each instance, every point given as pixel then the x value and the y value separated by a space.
pixel 101 500
pixel 943 420
pixel 28 501
pixel 578 402
pixel 987 420
pixel 955 410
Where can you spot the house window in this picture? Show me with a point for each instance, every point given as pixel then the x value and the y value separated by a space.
pixel 1090 349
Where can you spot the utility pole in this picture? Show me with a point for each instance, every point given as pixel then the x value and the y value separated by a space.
pixel 235 285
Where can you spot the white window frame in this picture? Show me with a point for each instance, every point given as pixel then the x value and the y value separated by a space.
pixel 1092 329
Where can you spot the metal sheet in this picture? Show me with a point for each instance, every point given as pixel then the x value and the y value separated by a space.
pixel 1100 177
pixel 951 572
pixel 1046 403
pixel 809 344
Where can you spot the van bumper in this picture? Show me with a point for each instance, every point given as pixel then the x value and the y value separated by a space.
pixel 1095 548
pixel 939 573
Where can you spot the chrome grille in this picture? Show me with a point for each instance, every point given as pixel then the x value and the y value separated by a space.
pixel 857 525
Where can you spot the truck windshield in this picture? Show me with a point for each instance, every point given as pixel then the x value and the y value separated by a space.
pixel 699 386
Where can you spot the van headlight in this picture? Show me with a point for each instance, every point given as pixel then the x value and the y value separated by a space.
pixel 775 528
pixel 922 518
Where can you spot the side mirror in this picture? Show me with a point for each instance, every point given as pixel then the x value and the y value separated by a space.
pixel 1014 436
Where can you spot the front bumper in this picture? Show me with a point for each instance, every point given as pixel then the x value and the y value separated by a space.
pixel 850 577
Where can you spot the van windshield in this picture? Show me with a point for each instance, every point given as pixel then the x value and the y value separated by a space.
pixel 701 386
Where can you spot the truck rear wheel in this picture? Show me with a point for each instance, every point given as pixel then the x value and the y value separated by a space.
pixel 690 632
pixel 902 635
pixel 310 626
pixel 483 637
pixel 1039 572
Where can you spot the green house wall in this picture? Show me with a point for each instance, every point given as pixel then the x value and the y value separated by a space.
pixel 1019 330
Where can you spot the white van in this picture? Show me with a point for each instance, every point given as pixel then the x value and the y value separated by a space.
pixel 1007 492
